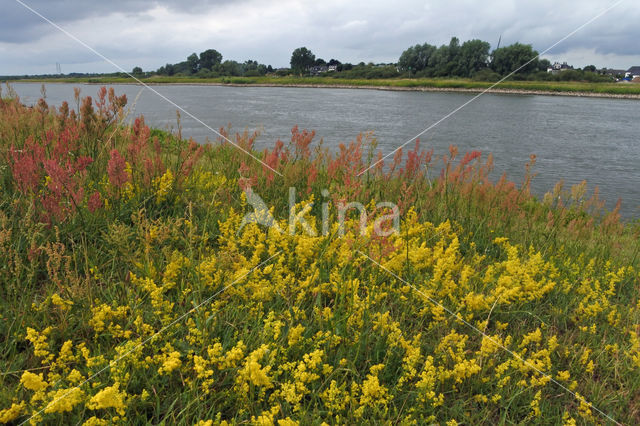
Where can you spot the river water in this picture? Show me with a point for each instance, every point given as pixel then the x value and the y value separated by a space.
pixel 574 138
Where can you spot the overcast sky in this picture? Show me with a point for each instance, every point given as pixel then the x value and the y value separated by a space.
pixel 150 34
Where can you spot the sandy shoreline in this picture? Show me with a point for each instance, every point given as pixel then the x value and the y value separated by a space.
pixel 374 87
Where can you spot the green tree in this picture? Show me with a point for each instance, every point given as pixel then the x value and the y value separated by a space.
pixel 137 71
pixel 416 58
pixel 438 62
pixel 453 57
pixel 544 64
pixel 192 63
pixel 301 59
pixel 209 58
pixel 514 57
pixel 474 56
pixel 231 68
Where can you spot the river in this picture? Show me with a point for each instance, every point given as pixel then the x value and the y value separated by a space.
pixel 574 138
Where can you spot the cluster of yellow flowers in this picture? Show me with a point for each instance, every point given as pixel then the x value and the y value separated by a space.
pixel 321 330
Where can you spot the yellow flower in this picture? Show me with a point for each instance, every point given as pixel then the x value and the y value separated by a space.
pixel 567 420
pixel 39 342
pixel 535 405
pixel 163 185
pixel 109 397
pixel 294 334
pixel 372 391
pixel 64 400
pixel 60 302
pixel 334 397
pixel 253 372
pixel 10 414
pixel 94 421
pixel 233 356
pixel 75 376
pixel 171 362
pixel 34 382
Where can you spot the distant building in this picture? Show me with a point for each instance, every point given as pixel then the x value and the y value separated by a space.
pixel 632 72
pixel 318 69
pixel 332 68
pixel 559 67
pixel 613 72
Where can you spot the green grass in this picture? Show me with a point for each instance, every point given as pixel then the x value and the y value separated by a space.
pixel 426 83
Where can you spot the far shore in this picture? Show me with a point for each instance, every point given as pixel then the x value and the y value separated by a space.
pixel 558 90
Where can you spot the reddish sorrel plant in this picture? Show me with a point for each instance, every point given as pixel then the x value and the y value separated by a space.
pixel 51 172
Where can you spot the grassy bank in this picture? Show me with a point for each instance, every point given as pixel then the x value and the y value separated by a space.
pixel 558 87
pixel 130 292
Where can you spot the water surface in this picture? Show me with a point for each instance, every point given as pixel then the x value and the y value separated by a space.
pixel 574 138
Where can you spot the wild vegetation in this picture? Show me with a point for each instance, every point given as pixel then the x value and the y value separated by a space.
pixel 130 293
pixel 559 87
pixel 472 59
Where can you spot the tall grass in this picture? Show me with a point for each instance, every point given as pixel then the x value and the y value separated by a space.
pixel 111 235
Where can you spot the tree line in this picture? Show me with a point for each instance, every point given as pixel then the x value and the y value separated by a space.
pixel 209 64
pixel 470 59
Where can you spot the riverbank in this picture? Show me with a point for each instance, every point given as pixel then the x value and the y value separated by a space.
pixel 581 89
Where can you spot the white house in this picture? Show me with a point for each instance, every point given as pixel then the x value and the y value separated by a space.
pixel 632 72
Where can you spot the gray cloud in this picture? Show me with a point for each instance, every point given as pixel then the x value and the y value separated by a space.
pixel 152 33
pixel 18 24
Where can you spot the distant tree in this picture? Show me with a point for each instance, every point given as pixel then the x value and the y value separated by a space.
pixel 231 68
pixel 453 57
pixel 511 58
pixel 334 62
pixel 438 62
pixel 181 68
pixel 346 66
pixel 320 62
pixel 250 65
pixel 137 71
pixel 301 59
pixel 544 64
pixel 473 57
pixel 192 62
pixel 252 68
pixel 209 58
pixel 204 73
pixel 416 58
pixel 589 68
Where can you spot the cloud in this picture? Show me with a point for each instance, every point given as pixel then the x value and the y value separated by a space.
pixel 152 33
